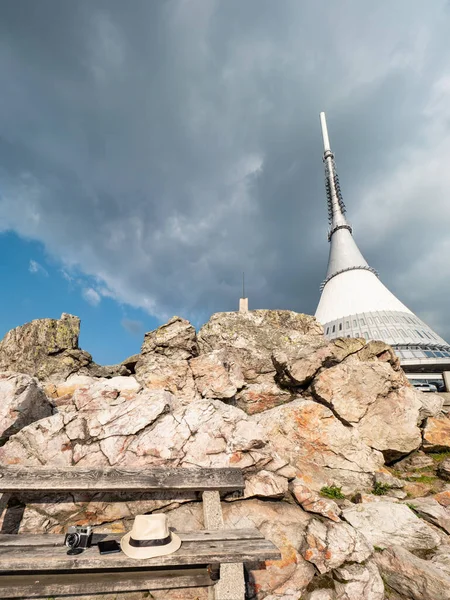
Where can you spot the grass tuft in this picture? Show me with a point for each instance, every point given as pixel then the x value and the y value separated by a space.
pixel 438 457
pixel 422 479
pixel 381 489
pixel 332 491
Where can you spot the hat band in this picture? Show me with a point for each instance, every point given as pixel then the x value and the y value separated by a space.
pixel 149 543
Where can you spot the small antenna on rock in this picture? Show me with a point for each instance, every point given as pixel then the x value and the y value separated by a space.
pixel 243 302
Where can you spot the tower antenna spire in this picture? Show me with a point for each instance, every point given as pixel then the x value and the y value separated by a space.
pixel 336 206
pixel 243 284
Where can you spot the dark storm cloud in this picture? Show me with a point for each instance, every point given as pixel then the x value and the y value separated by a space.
pixel 164 147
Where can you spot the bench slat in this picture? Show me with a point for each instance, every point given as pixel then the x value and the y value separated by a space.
pixel 49 558
pixel 51 539
pixel 43 585
pixel 111 479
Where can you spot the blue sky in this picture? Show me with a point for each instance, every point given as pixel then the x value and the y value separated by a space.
pixel 36 286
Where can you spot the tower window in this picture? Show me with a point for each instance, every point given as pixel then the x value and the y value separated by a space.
pixel 362 322
pixel 370 321
pixel 347 325
pixel 354 322
pixel 366 335
pixel 340 326
pixel 419 334
pixel 328 330
pixel 334 328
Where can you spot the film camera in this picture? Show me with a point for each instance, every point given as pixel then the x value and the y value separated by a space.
pixel 78 539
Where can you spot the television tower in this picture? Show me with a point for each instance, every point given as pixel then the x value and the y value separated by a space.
pixel 355 303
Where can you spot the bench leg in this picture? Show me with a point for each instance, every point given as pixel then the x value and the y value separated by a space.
pixel 231 585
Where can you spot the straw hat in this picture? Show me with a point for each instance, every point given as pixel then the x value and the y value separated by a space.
pixel 150 536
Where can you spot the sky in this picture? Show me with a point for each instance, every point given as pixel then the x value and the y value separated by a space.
pixel 150 152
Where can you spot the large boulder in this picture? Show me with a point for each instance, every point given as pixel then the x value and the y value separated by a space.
pixel 323 450
pixel 216 375
pixel 329 545
pixel 44 348
pixel 358 582
pixel 248 341
pixel 411 576
pixel 251 337
pixel 444 469
pixel 313 502
pixel 22 401
pixel 48 349
pixel 376 350
pixel 387 524
pixel 297 365
pixel 432 511
pixel 164 360
pixel 436 434
pixel 108 426
pixel 368 395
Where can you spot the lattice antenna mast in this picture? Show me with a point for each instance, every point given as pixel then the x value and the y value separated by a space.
pixel 335 202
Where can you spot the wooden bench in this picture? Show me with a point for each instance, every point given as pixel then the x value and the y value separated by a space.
pixel 37 565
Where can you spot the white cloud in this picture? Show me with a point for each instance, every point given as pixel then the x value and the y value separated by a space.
pixel 91 296
pixel 37 269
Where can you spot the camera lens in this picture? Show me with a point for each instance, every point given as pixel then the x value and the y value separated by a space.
pixel 72 540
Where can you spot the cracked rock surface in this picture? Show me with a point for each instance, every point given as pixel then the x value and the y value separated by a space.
pixel 330 437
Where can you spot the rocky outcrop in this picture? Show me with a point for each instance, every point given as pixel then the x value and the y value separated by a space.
pixel 366 395
pixel 412 576
pixel 163 363
pixel 248 341
pixel 323 450
pixel 436 434
pixel 296 366
pixel 217 375
pixel 312 502
pixel 432 511
pixel 22 402
pixel 386 524
pixel 330 545
pixel 312 424
pixel 356 582
pixel 45 348
pixel 417 460
pixel 444 469
pixel 48 349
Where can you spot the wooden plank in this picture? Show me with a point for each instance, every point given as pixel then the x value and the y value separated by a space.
pixel 31 539
pixel 45 585
pixel 49 558
pixel 21 479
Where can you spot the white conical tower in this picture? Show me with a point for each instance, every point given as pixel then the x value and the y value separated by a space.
pixel 354 302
